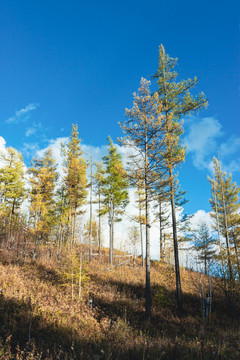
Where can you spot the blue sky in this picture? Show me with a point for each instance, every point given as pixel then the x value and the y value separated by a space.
pixel 64 62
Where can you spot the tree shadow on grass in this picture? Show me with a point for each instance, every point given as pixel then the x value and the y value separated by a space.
pixel 48 341
pixel 166 337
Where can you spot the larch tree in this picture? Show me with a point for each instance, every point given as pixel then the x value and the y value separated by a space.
pixel 135 173
pixel 225 212
pixel 142 131
pixel 177 102
pixel 115 191
pixel 98 179
pixel 12 186
pixel 140 218
pixel 75 179
pixel 161 211
pixel 203 244
pixel 43 177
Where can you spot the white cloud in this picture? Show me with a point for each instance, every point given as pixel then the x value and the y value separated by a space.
pixel 201 140
pixel 2 145
pixel 22 114
pixel 30 131
pixel 33 129
pixel 230 146
pixel 2 150
pixel 30 149
pixel 200 217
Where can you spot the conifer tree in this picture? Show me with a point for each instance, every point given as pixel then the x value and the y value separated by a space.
pixel 75 178
pixel 98 179
pixel 43 177
pixel 176 102
pixel 225 212
pixel 94 229
pixel 115 193
pixel 12 186
pixel 140 218
pixel 161 211
pixel 143 136
pixel 203 243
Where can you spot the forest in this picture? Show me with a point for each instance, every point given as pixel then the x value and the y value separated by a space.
pixel 64 294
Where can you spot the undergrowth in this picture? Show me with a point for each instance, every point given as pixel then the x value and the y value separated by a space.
pixel 40 319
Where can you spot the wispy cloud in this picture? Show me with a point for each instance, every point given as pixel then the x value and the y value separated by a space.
pixel 230 146
pixel 204 140
pixel 33 129
pixel 30 149
pixel 22 114
pixel 201 140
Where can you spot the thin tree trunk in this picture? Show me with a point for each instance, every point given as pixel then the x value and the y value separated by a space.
pixel 110 233
pixel 160 226
pixel 148 300
pixel 175 242
pixel 90 225
pixel 99 223
pixel 148 294
pixel 80 276
pixel 226 234
pixel 236 250
pixel 218 229
pixel 113 233
pixel 140 222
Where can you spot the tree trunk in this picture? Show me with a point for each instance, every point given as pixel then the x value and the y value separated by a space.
pixel 90 225
pixel 148 300
pixel 141 234
pixel 148 295
pixel 175 242
pixel 110 233
pixel 226 235
pixel 99 224
pixel 218 229
pixel 160 226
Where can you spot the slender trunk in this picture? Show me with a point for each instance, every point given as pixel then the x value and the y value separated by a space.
pixel 175 242
pixel 110 233
pixel 90 225
pixel 218 229
pixel 236 250
pixel 226 234
pixel 99 223
pixel 72 278
pixel 160 226
pixel 73 228
pixel 205 264
pixel 148 298
pixel 80 276
pixel 140 222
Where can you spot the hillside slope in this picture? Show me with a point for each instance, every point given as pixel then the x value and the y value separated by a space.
pixel 40 320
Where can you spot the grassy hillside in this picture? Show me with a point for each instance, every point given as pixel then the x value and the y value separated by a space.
pixel 40 320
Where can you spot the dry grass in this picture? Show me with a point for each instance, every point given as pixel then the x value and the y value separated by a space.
pixel 40 320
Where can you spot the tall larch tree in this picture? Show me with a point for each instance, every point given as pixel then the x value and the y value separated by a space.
pixel 225 212
pixel 115 191
pixel 98 180
pixel 177 102
pixel 143 136
pixel 43 177
pixel 75 178
pixel 12 186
